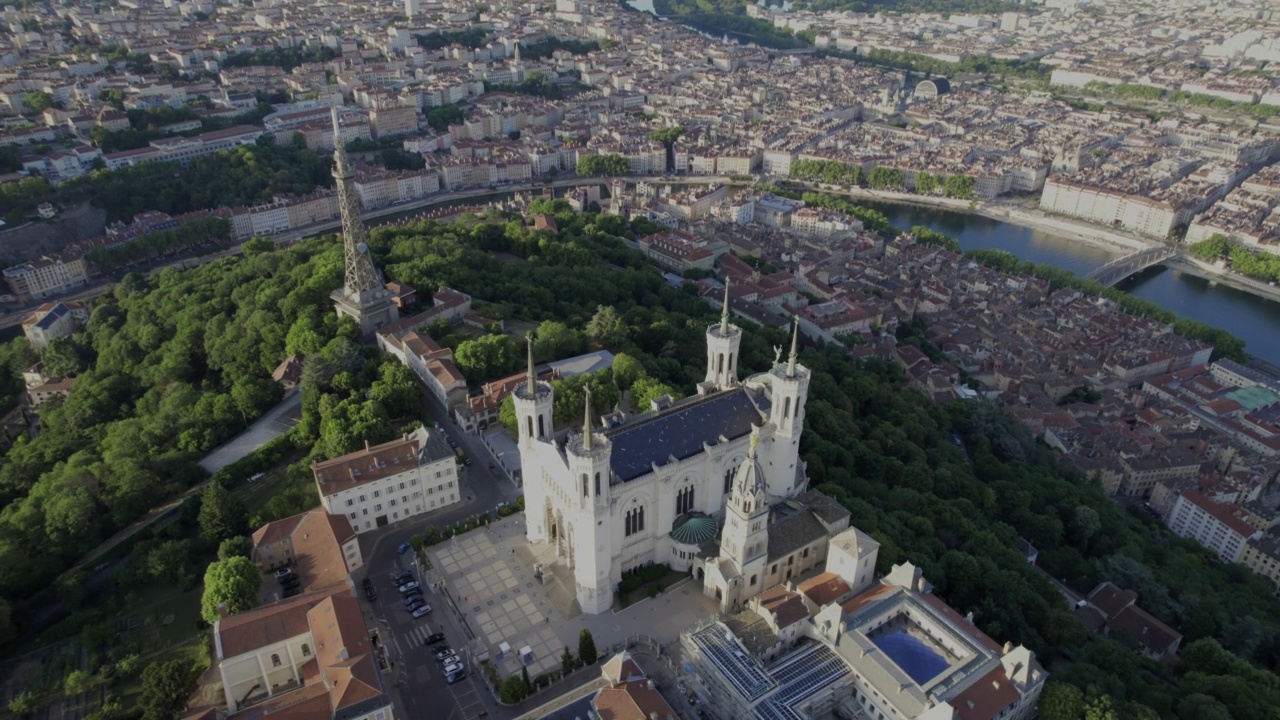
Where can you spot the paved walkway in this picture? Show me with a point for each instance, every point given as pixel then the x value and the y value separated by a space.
pixel 503 602
pixel 270 426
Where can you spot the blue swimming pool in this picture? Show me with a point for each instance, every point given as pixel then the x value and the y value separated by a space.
pixel 916 659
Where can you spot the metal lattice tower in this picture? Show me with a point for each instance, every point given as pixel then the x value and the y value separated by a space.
pixel 363 295
pixel 361 274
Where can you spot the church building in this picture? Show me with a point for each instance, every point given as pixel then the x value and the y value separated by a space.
pixel 712 484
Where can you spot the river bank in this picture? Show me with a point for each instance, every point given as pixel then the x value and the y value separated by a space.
pixel 1009 212
pixel 1222 276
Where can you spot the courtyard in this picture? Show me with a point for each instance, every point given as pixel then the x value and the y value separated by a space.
pixel 521 620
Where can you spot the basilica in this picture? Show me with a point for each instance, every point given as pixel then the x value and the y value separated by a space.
pixel 712 484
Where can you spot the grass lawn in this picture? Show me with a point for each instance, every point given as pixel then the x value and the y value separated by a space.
pixel 255 495
pixel 671 578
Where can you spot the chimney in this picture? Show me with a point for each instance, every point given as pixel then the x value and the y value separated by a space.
pixel 222 610
pixel 366 444
pixel 1008 648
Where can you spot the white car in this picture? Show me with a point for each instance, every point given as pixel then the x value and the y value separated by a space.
pixel 421 611
pixel 411 585
pixel 452 667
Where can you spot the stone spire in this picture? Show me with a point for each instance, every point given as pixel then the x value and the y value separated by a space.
pixel 532 379
pixel 586 424
pixel 724 314
pixel 791 362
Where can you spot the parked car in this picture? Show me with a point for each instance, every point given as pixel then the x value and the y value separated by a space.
pixel 454 677
pixel 414 603
pixel 401 577
pixel 434 638
pixel 466 461
pixel 454 667
pixel 256 477
pixel 404 548
pixel 370 594
pixel 291 582
pixel 447 656
pixel 367 582
pixel 422 610
pixel 411 585
pixel 291 591
pixel 443 652
pixel 436 423
pixel 283 573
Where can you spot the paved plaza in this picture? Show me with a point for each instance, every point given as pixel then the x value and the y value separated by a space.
pixel 488 574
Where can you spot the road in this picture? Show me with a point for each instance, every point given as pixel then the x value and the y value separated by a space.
pixel 417 681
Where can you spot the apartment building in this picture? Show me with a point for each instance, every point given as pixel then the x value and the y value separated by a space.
pixel 54 320
pixel 47 276
pixel 1262 555
pixel 1211 524
pixel 389 121
pixel 390 482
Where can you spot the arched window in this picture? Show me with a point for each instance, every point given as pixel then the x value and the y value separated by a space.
pixel 597 484
pixel 640 519
pixel 627 524
pixel 728 481
pixel 530 423
pixel 720 363
pixel 306 650
pixel 541 430
pixel 786 408
pixel 584 485
pixel 275 660
pixel 730 363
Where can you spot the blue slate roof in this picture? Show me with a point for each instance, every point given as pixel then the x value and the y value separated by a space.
pixel 57 313
pixel 680 432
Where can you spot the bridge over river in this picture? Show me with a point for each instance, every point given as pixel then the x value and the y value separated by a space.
pixel 1122 267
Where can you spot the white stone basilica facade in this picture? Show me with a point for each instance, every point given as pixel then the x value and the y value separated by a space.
pixel 712 484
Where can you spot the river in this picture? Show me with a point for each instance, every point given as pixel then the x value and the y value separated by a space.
pixel 1254 319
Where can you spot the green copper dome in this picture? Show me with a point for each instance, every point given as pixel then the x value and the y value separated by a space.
pixel 694 529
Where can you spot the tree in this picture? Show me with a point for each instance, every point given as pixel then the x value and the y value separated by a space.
pixel 79 682
pixel 168 561
pixel 6 622
pixel 1061 701
pixel 587 647
pixel 608 164
pixel 257 246
pixel 646 390
pixel 1101 708
pixel 524 676
pixel 626 371
pixel 557 341
pixel 566 661
pixel 238 546
pixel 606 327
pixel 488 357
pixel 222 515
pixel 507 415
pixel 512 690
pixel 234 582
pixel 24 704
pixel 165 688
pixel 38 101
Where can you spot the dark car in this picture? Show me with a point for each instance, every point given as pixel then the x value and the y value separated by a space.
pixel 404 548
pixel 400 577
pixel 290 592
pixel 367 582
pixel 414 604
pixel 370 594
pixel 433 639
pixel 291 582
